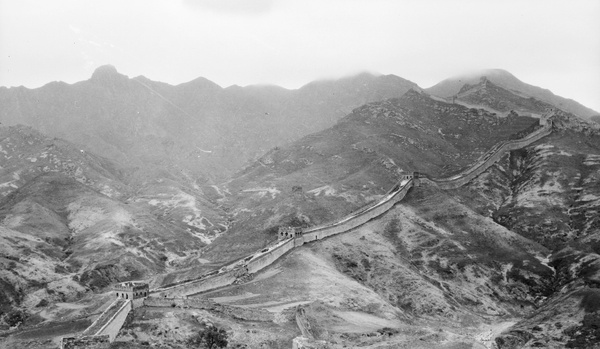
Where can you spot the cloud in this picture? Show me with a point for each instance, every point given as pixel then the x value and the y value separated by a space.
pixel 240 7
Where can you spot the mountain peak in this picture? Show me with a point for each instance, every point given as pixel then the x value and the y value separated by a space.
pixel 106 69
pixel 108 74
pixel 502 78
pixel 492 73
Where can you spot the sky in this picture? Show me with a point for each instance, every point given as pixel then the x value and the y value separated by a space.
pixel 548 43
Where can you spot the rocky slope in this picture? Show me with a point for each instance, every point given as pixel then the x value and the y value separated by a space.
pixel 71 221
pixel 490 257
pixel 506 80
pixel 490 95
pixel 333 172
pixel 509 260
pixel 549 193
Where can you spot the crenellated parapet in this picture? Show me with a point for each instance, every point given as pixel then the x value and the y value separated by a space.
pixel 292 237
pixel 284 233
pixel 407 176
pixel 545 118
pixel 131 290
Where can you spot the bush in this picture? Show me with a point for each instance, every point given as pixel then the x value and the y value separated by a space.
pixel 14 318
pixel 209 338
pixel 42 303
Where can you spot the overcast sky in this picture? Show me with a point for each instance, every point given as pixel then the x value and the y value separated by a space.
pixel 552 44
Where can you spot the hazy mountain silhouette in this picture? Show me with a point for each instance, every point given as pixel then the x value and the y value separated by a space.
pixel 504 79
pixel 195 126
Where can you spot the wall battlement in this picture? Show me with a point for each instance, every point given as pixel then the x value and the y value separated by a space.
pixel 284 233
pixel 106 327
pixel 131 290
pixel 296 237
pixel 491 157
pixel 290 237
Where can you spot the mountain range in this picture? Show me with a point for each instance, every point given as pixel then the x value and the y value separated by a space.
pixel 197 127
pixel 119 178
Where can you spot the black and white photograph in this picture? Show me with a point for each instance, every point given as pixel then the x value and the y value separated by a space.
pixel 299 174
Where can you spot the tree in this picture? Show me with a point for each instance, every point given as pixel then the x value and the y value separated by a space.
pixel 210 338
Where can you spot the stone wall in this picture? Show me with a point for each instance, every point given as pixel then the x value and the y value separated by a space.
pixel 107 315
pixel 113 326
pixel 360 217
pixel 491 157
pixel 268 258
pixel 303 324
pixel 86 342
pixel 197 286
pixel 262 260
pixel 250 314
pixel 363 215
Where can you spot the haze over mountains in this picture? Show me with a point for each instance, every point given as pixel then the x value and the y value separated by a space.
pixel 196 126
pixel 119 178
pixel 502 78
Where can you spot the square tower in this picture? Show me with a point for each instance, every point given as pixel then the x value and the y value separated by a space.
pixel 131 290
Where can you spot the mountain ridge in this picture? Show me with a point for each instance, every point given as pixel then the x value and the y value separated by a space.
pixel 451 86
pixel 438 268
pixel 115 113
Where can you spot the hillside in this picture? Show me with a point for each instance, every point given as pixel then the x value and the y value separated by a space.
pixel 71 221
pixel 486 94
pixel 443 269
pixel 195 128
pixel 509 260
pixel 331 173
pixel 506 80
pixel 550 194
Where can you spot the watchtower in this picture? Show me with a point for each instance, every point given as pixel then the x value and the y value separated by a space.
pixel 131 290
pixel 405 176
pixel 297 192
pixel 546 116
pixel 289 232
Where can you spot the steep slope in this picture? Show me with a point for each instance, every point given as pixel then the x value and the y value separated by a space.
pixel 70 221
pixel 450 262
pixel 331 173
pixel 487 94
pixel 431 260
pixel 27 153
pixel 515 249
pixel 549 193
pixel 197 128
pixel 506 80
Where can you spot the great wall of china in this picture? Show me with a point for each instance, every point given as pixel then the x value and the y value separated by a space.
pixel 105 329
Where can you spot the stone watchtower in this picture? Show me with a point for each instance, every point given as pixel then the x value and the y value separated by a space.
pixel 297 192
pixel 289 232
pixel 546 116
pixel 136 291
pixel 408 176
pixel 296 233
